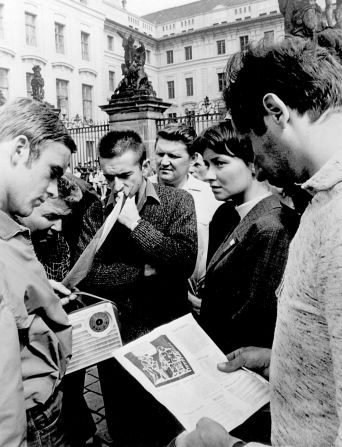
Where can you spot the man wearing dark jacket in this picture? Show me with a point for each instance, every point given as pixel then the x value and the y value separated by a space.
pixel 143 266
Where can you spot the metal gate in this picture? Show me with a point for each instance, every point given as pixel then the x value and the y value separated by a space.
pixel 86 138
pixel 199 122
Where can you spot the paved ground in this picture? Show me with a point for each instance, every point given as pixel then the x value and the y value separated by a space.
pixel 93 396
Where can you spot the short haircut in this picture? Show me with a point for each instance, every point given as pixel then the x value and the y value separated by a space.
pixel 68 190
pixel 179 132
pixel 222 139
pixel 305 76
pixel 35 120
pixel 117 142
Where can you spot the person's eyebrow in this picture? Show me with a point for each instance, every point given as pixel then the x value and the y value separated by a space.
pixel 56 171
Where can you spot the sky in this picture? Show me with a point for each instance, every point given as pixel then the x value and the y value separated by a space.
pixel 142 7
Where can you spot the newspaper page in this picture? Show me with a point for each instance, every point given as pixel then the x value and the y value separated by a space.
pixel 177 364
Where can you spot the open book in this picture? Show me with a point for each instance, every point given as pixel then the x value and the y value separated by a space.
pixel 177 362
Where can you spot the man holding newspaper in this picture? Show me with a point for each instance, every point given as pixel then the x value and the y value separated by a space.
pixel 287 98
pixel 143 263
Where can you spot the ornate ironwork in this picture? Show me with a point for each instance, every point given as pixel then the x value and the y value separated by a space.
pixel 76 122
pixel 207 107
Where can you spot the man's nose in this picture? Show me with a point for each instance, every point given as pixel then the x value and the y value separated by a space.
pixel 117 184
pixel 57 225
pixel 52 189
pixel 165 160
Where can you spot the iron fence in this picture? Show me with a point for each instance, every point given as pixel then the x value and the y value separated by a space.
pixel 87 134
pixel 86 137
pixel 199 122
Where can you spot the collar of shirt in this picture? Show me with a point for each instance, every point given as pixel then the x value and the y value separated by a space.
pixel 9 228
pixel 325 178
pixel 193 184
pixel 148 193
pixel 246 207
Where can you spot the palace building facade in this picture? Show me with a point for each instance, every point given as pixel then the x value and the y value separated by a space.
pixel 77 43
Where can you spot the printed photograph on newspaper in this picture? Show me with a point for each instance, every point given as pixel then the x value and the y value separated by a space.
pixel 177 364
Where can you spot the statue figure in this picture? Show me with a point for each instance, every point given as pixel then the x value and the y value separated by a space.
pixel 37 84
pixel 305 18
pixel 135 80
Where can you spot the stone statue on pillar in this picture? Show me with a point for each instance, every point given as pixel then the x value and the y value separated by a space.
pixel 135 80
pixel 305 18
pixel 37 84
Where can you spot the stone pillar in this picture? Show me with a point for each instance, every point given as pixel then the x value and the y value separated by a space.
pixel 138 113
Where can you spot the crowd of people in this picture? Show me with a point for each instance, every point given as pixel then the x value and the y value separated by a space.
pixel 209 233
pixel 92 173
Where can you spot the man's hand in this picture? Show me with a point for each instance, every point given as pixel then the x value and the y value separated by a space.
pixel 256 359
pixel 62 290
pixel 129 215
pixel 208 433
pixel 195 303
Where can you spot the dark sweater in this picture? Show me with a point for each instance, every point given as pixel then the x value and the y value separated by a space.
pixel 145 271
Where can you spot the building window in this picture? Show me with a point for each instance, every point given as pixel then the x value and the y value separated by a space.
pixel 171 89
pixel 189 86
pixel 30 29
pixel 85 46
pixel 188 53
pixel 4 82
pixel 2 33
pixel 243 43
pixel 62 88
pixel 111 79
pixel 87 101
pixel 59 38
pixel 110 43
pixel 29 77
pixel 269 37
pixel 221 46
pixel 148 56
pixel 222 82
pixel 169 57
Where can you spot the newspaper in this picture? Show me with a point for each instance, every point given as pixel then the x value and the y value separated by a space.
pixel 177 364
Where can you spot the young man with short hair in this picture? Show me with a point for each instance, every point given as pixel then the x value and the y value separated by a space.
pixel 143 267
pixel 175 152
pixel 35 149
pixel 288 99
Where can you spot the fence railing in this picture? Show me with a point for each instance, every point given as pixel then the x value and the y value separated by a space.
pixel 86 138
pixel 199 122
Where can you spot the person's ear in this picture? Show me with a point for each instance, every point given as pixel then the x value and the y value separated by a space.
pixel 251 167
pixel 146 167
pixel 20 150
pixel 194 158
pixel 276 109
